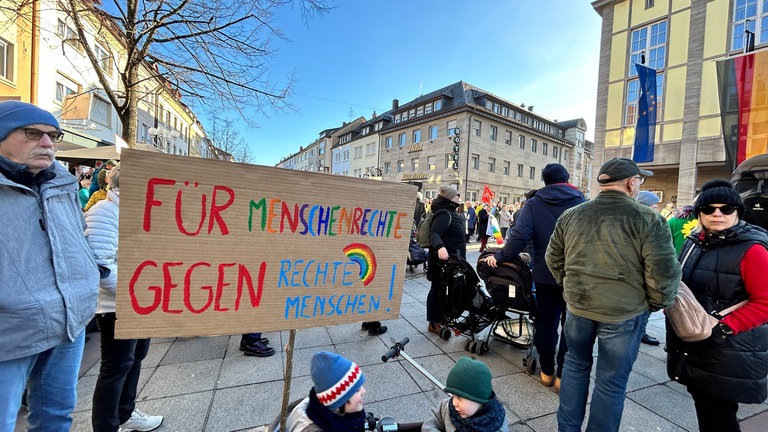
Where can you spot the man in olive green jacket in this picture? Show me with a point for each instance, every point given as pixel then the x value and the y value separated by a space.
pixel 615 260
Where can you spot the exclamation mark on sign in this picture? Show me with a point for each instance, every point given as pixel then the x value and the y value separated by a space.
pixel 392 283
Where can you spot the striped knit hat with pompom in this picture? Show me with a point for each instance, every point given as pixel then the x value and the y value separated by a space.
pixel 336 379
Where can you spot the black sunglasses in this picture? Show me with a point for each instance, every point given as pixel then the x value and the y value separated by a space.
pixel 726 210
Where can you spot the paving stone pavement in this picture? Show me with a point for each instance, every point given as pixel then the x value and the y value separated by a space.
pixel 205 383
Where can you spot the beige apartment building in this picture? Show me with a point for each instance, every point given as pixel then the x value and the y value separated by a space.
pixel 682 40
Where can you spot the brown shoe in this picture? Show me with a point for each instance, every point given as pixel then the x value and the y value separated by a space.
pixel 434 328
pixel 547 380
pixel 557 385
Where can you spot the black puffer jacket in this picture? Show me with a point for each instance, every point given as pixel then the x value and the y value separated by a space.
pixel 447 229
pixel 735 368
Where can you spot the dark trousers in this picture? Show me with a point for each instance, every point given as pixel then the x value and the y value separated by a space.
pixel 115 394
pixel 550 314
pixel 715 415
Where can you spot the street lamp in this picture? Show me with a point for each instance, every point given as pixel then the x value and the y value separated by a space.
pixel 168 137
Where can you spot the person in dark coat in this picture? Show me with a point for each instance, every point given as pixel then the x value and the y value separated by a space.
pixel 482 226
pixel 447 236
pixel 420 210
pixel 534 224
pixel 471 219
pixel 724 261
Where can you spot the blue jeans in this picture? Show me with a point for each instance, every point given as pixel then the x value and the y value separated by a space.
pixel 550 306
pixel 114 397
pixel 50 378
pixel 617 347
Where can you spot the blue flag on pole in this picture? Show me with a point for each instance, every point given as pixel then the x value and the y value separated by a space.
pixel 645 131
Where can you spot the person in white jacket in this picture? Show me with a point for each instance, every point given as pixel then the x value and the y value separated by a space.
pixel 114 397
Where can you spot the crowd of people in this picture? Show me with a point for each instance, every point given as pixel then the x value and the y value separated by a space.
pixel 600 268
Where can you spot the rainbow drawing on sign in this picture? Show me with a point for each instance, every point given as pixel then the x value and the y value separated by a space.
pixel 364 257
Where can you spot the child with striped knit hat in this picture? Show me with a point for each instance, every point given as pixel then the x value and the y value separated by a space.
pixel 335 402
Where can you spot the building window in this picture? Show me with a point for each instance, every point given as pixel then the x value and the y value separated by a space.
pixel 388 143
pixel 651 42
pixel 400 166
pixel 532 173
pixel 544 148
pixel 101 111
pixel 6 60
pixel 438 104
pixel 103 59
pixel 65 87
pixel 633 94
pixel 749 15
pixel 533 145
pixel 431 163
pixel 417 136
pixel 519 170
pixel 450 127
pixel 555 151
pixel 648 4
pixel 414 165
pixel 521 142
pixel 491 164
pixel 565 154
pixel 401 139
pixel 387 168
pixel 494 133
pixel 507 165
pixel 433 132
pixel 508 137
pixel 476 161
pixel 476 125
pixel 68 35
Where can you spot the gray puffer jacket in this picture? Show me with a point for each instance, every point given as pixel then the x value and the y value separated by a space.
pixel 49 277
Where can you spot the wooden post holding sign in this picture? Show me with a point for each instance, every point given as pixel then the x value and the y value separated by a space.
pixel 210 247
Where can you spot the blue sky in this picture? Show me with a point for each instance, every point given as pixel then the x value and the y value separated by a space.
pixel 363 54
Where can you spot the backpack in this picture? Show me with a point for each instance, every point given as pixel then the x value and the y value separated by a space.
pixel 750 179
pixel 425 226
pixel 458 287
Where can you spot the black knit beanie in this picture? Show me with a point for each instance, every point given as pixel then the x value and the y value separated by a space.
pixel 719 191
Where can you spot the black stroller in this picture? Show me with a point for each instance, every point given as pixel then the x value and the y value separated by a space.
pixel 417 255
pixel 470 307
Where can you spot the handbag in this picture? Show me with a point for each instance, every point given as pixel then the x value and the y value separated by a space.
pixel 687 316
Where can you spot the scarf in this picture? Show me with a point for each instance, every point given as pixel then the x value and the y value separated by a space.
pixel 18 173
pixel 329 420
pixel 490 417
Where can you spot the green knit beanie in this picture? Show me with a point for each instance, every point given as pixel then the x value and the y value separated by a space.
pixel 470 379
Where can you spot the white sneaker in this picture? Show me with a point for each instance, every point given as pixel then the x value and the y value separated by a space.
pixel 141 422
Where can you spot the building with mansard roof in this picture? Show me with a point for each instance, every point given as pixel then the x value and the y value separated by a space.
pixel 468 137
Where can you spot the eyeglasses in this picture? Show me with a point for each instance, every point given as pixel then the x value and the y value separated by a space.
pixel 36 134
pixel 642 179
pixel 726 210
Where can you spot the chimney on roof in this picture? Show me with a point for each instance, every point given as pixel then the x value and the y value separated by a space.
pixel 395 104
pixel 530 108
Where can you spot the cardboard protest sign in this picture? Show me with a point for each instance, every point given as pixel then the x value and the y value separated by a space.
pixel 210 247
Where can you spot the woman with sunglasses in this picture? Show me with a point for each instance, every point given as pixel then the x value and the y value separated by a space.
pixel 724 261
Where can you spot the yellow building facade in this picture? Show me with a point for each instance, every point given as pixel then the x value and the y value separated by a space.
pixel 682 40
pixel 18 50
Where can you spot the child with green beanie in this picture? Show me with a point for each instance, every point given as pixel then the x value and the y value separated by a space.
pixel 473 406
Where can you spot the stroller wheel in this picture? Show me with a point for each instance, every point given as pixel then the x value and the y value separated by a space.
pixel 466 345
pixel 530 364
pixel 445 333
pixel 484 348
pixel 473 347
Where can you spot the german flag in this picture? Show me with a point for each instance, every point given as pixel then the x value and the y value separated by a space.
pixel 743 86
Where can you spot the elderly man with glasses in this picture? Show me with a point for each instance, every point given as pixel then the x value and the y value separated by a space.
pixel 49 277
pixel 615 260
